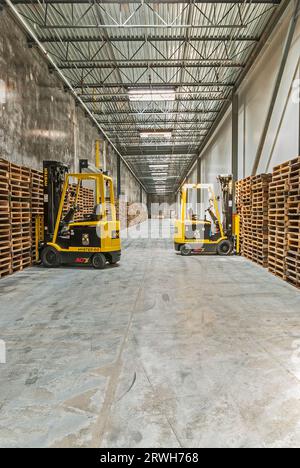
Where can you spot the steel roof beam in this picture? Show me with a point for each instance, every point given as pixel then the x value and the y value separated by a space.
pixel 129 130
pixel 87 2
pixel 104 65
pixel 160 152
pixel 117 99
pixel 157 122
pixel 148 38
pixel 135 133
pixel 132 143
pixel 145 113
pixel 207 84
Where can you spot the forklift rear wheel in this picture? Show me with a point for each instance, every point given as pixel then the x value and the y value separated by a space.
pixel 225 248
pixel 50 257
pixel 99 261
pixel 186 250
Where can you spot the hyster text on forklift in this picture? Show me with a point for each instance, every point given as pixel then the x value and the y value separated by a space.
pixel 216 233
pixel 66 236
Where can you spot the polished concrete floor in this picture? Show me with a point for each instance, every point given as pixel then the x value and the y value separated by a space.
pixel 162 351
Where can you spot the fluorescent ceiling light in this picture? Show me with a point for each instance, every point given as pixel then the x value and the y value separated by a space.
pixel 156 134
pixel 158 166
pixel 151 95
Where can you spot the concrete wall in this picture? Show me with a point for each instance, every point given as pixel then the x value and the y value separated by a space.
pixel 255 94
pixel 38 119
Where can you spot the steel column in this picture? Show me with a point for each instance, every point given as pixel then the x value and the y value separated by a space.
pixel 235 137
pixel 118 176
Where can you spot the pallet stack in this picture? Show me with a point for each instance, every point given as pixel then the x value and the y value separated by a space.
pixel 20 195
pixel 5 224
pixel 137 214
pixel 293 225
pixel 36 203
pixel 252 205
pixel 259 219
pixel 239 188
pixel 86 202
pixel 244 208
pixel 122 212
pixel 278 195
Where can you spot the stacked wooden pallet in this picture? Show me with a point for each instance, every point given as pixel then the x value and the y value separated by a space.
pixel 137 214
pixel 5 224
pixel 278 195
pixel 244 204
pixel 252 205
pixel 239 189
pixel 293 225
pixel 36 202
pixel 86 202
pixel 259 219
pixel 20 193
pixel 122 212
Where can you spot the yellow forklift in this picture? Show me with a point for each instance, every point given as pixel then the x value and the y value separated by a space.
pixel 68 234
pixel 216 233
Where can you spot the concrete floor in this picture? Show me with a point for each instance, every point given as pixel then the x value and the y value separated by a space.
pixel 162 351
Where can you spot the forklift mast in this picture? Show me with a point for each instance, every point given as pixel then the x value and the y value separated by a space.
pixel 54 178
pixel 226 184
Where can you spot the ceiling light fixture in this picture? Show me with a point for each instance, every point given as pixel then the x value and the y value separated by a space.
pixel 156 134
pixel 151 95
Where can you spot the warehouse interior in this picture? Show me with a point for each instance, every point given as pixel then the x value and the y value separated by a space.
pixel 160 349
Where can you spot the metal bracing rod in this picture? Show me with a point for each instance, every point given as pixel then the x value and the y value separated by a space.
pixel 148 38
pixel 161 86
pixel 67 84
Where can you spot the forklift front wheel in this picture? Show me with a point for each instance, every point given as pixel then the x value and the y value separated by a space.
pixel 186 250
pixel 99 261
pixel 225 248
pixel 50 257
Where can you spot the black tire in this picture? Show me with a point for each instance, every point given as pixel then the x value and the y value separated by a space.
pixel 186 250
pixel 225 248
pixel 50 257
pixel 99 261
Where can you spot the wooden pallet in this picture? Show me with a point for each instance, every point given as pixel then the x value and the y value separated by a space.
pixel 284 212
pixel 252 204
pixel 36 204
pixel 86 202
